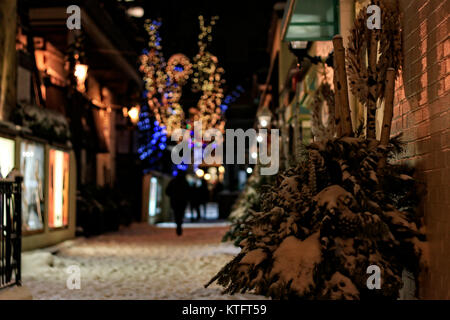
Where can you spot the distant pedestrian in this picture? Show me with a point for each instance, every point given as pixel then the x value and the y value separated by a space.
pixel 195 201
pixel 204 197
pixel 178 191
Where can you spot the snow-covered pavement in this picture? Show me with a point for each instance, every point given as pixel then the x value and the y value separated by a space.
pixel 138 262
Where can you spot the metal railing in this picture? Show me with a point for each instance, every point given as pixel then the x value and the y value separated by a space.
pixel 10 232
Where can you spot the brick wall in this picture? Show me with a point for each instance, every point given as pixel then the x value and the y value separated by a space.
pixel 421 112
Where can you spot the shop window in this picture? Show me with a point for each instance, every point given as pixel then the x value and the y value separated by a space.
pixel 154 205
pixel 32 169
pixel 58 195
pixel 7 156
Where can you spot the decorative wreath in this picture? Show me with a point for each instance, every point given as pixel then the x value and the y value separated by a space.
pixel 319 130
pixel 389 48
pixel 179 68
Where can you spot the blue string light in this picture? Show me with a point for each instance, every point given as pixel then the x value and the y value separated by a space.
pixel 152 138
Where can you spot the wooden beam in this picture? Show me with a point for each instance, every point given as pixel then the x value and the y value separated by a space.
pixel 341 87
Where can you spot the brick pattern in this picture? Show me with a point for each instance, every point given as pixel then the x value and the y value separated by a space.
pixel 422 114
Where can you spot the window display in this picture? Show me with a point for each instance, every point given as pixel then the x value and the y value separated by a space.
pixel 154 197
pixel 32 169
pixel 58 205
pixel 7 155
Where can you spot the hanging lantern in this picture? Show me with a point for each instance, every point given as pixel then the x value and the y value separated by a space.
pixel 265 117
pixel 80 74
pixel 133 113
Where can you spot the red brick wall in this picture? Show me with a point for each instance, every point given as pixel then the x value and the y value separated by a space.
pixel 421 112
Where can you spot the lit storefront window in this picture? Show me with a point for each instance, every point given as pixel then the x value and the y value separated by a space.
pixel 58 208
pixel 32 169
pixel 7 156
pixel 153 208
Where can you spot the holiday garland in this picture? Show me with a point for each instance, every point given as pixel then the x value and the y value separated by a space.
pixel 152 138
pixel 163 82
pixel 208 80
pixel 389 50
pixel 382 48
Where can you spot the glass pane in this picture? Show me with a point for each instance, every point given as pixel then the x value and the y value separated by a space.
pixel 58 207
pixel 310 33
pixel 32 169
pixel 313 20
pixel 313 11
pixel 7 155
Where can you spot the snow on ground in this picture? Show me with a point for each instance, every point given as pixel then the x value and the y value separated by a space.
pixel 138 262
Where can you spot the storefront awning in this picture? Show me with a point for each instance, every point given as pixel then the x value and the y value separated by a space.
pixel 310 20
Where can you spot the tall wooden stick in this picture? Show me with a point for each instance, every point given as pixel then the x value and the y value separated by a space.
pixel 372 98
pixel 388 107
pixel 341 87
pixel 337 104
pixel 388 111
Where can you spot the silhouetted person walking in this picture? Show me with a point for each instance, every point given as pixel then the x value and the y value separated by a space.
pixel 195 202
pixel 178 191
pixel 204 196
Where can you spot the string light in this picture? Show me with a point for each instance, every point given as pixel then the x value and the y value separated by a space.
pixel 208 80
pixel 200 173
pixel 152 138
pixel 163 81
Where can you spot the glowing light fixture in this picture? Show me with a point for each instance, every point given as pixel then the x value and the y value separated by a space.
pixel 265 116
pixel 200 173
pixel 133 113
pixel 254 155
pixel 207 177
pixel 221 169
pixel 259 138
pixel 249 170
pixel 80 74
pixel 299 44
pixel 136 12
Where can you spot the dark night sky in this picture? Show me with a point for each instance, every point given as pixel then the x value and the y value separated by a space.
pixel 239 36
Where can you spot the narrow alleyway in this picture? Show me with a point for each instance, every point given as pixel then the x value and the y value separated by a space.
pixel 138 262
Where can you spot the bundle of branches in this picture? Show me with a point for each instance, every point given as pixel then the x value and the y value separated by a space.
pixel 325 221
pixel 248 202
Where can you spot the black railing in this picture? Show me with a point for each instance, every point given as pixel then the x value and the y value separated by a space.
pixel 10 232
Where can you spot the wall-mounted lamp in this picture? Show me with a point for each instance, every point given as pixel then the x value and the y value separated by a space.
pixel 265 116
pixel 136 12
pixel 299 44
pixel 80 74
pixel 200 173
pixel 300 50
pixel 133 113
